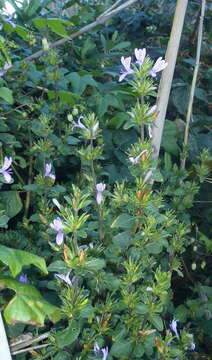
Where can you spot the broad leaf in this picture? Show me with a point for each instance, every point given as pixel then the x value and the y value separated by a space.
pixel 16 259
pixel 79 83
pixel 6 94
pixel 10 202
pixel 69 335
pixel 28 306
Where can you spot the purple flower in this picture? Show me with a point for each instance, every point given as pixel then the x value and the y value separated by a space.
pixel 58 226
pixel 65 278
pixel 100 188
pixel 159 66
pixel 135 160
pixel 8 21
pixel 140 56
pixel 23 278
pixel 5 70
pixel 48 173
pixel 173 327
pixel 79 124
pixel 5 171
pixel 126 63
pixel 98 351
pixel 193 346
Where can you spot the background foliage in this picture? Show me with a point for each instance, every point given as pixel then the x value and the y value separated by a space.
pixel 39 101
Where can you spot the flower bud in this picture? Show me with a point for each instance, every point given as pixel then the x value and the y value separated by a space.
pixel 70 117
pixel 45 44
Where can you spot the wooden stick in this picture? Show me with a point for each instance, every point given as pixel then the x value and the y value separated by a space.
pixel 193 85
pixel 29 349
pixel 4 347
pixel 100 20
pixel 20 345
pixel 167 75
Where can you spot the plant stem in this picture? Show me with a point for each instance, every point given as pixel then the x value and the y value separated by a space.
pixel 142 125
pixel 28 195
pixel 193 85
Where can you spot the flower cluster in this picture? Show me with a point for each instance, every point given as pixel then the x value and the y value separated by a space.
pixel 140 55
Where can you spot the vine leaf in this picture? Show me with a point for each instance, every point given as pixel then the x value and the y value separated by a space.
pixel 27 306
pixel 16 259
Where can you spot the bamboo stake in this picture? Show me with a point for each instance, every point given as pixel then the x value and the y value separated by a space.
pixel 4 347
pixel 100 20
pixel 193 85
pixel 167 75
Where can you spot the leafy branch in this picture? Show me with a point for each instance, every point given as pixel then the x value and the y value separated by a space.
pixel 99 21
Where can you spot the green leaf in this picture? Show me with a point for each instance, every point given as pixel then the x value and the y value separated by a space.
pixel 69 335
pixel 6 94
pixel 22 32
pixel 56 25
pixel 65 96
pixel 124 221
pixel 3 221
pixel 16 259
pixel 58 266
pixel 170 136
pixel 179 97
pixel 95 264
pixel 10 202
pixel 121 349
pixel 122 240
pixel 156 321
pixel 28 306
pixel 79 83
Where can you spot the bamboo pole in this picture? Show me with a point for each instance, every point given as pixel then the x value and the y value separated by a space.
pixel 167 75
pixel 193 85
pixel 4 347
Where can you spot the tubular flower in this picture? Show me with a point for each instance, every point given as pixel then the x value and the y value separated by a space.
pixel 8 21
pixel 5 170
pixel 126 63
pixel 56 203
pixel 152 110
pixel 79 124
pixel 135 160
pixel 159 66
pixel 98 351
pixel 140 56
pixel 66 278
pixel 58 226
pixel 5 70
pixel 173 327
pixel 100 188
pixel 48 173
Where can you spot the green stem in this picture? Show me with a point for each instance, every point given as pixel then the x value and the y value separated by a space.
pixel 28 195
pixel 142 125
